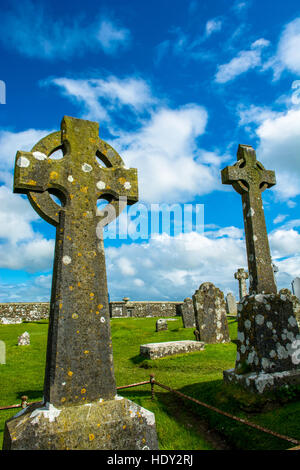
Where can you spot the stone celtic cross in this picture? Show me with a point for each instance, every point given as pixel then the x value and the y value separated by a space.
pixel 79 364
pixel 249 178
pixel 241 276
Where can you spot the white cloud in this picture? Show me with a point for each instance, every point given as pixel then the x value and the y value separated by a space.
pixel 31 29
pixel 213 26
pixel 165 152
pixel 280 218
pixel 111 36
pixel 99 95
pixel 284 243
pixel 288 52
pixel 244 61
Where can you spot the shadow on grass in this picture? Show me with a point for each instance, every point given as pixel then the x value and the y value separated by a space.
pixel 33 395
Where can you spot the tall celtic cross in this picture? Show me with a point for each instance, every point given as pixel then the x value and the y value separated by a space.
pixel 79 364
pixel 249 178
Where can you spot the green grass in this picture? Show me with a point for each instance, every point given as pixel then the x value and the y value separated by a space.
pixel 181 424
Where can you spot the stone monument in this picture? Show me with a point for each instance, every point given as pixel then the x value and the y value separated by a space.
pixel 24 339
pixel 210 314
pixel 296 287
pixel 187 313
pixel 268 352
pixel 241 275
pixel 161 324
pixel 80 409
pixel 231 307
pixel 295 301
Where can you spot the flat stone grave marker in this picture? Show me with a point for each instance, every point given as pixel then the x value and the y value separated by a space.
pixel 169 348
pixel 231 307
pixel 81 409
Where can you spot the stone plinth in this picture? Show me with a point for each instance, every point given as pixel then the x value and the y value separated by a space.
pixel 268 346
pixel 169 348
pixel 108 425
pixel 187 313
pixel 260 382
pixel 210 314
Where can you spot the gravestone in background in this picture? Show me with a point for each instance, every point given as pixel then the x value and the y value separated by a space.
pixel 231 307
pixel 210 314
pixel 24 339
pixel 187 313
pixel 296 287
pixel 81 409
pixel 268 353
pixel 161 324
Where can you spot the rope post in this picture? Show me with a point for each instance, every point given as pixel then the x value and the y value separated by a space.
pixel 24 401
pixel 152 382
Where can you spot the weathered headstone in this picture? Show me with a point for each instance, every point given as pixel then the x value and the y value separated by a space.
pixel 268 353
pixel 241 275
pixel 187 313
pixel 81 409
pixel 210 314
pixel 161 324
pixel 295 301
pixel 296 287
pixel 169 348
pixel 2 352
pixel 24 339
pixel 231 307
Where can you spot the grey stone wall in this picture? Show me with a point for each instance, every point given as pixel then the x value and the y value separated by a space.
pixel 21 311
pixel 29 311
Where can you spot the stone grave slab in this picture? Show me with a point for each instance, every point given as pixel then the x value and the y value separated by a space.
pixel 169 348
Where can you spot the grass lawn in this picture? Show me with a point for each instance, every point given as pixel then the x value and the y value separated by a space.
pixel 181 424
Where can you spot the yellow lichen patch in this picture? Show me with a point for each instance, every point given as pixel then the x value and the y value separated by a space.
pixel 77 331
pixel 124 426
pixel 91 437
pixel 84 189
pixel 100 306
pixel 63 399
pixel 97 312
pixel 69 238
pixel 53 175
pixel 93 141
pixel 71 196
pixel 86 352
pixel 92 295
pixel 70 373
pixel 71 287
pixel 75 316
pixel 83 391
pixel 122 180
pixel 84 214
pixel 79 284
pixel 143 440
pixel 98 425
pixel 79 254
pixel 32 182
pixel 60 305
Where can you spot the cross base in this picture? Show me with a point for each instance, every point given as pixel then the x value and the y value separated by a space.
pixel 117 424
pixel 261 382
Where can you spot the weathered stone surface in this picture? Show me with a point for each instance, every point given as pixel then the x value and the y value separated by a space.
pixel 79 363
pixel 2 352
pixel 260 382
pixel 268 335
pixel 109 425
pixel 295 301
pixel 16 312
pixel 231 307
pixel 169 348
pixel 143 309
pixel 241 275
pixel 161 324
pixel 187 313
pixel 24 339
pixel 296 287
pixel 249 178
pixel 210 314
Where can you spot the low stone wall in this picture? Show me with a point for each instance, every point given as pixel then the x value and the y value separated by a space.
pixel 144 309
pixel 29 311
pixel 21 311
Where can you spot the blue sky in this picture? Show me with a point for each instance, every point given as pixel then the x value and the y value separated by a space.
pixel 175 86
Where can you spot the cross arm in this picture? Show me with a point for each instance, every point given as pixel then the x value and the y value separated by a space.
pixel 119 182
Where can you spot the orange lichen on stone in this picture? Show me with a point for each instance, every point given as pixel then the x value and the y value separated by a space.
pixel 83 391
pixel 70 373
pixel 91 437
